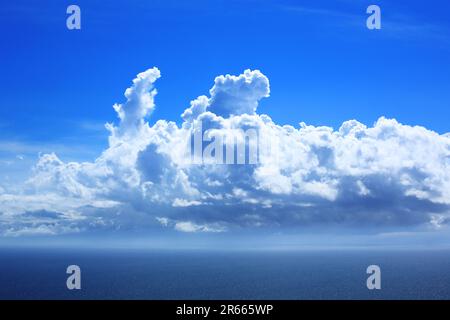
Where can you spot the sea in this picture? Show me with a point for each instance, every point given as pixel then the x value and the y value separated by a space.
pixel 37 273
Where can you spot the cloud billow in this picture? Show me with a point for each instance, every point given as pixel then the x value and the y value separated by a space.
pixel 389 174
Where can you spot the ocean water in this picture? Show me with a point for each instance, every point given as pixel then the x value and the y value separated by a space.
pixel 147 274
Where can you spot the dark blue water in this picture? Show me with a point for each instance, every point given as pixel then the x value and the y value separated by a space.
pixel 140 274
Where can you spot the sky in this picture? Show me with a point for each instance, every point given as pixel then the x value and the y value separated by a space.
pixel 63 173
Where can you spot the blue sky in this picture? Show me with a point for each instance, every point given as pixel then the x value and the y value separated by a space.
pixel 325 67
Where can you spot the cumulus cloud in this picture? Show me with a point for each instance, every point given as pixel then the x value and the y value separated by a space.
pixel 190 227
pixel 139 102
pixel 235 95
pixel 388 174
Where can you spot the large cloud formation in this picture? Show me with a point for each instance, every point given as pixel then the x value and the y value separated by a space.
pixel 386 175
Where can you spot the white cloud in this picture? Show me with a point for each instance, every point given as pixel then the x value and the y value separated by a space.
pixel 235 95
pixel 163 221
pixel 39 230
pixel 185 203
pixel 139 101
pixel 188 226
pixel 387 174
